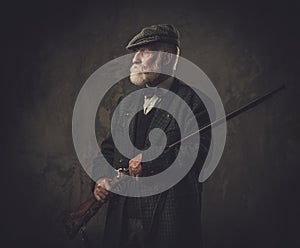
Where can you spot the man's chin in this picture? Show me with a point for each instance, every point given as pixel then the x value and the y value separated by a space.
pixel 138 79
pixel 141 79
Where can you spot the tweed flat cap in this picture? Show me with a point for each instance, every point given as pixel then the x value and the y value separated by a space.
pixel 159 32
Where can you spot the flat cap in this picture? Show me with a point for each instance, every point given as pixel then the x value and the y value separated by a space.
pixel 160 32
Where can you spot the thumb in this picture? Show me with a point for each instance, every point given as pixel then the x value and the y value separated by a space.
pixel 107 185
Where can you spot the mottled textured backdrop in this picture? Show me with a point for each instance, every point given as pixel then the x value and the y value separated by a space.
pixel 246 48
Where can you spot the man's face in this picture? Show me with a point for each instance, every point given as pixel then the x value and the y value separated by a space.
pixel 145 60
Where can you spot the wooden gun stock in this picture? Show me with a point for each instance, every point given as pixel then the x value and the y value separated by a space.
pixel 77 219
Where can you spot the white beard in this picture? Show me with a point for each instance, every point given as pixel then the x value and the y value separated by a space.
pixel 141 79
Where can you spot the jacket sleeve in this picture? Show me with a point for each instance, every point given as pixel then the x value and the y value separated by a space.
pixel 105 156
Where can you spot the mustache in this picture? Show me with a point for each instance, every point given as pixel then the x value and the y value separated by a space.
pixel 135 68
pixel 138 68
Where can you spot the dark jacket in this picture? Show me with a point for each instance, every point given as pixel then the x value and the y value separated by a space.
pixel 179 221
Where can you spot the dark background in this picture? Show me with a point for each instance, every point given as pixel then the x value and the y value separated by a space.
pixel 246 48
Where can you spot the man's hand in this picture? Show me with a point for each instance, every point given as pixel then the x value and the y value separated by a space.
pixel 135 166
pixel 101 189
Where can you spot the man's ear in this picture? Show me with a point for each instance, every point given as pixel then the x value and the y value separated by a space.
pixel 167 58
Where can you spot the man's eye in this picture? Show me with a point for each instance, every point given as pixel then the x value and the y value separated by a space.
pixel 146 53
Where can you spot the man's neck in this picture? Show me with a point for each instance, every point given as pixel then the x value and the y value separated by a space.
pixel 164 83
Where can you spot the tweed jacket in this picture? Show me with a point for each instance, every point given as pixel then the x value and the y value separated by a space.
pixel 179 221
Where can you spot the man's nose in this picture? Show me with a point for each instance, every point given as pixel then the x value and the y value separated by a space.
pixel 136 58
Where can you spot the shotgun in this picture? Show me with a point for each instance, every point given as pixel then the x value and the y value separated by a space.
pixel 75 222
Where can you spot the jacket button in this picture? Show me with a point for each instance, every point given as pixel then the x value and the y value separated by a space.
pixel 121 160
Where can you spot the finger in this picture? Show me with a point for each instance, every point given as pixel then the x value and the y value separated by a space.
pixel 107 185
pixel 135 166
pixel 99 182
pixel 135 163
pixel 103 191
pixel 137 158
pixel 99 186
pixel 131 165
pixel 132 173
pixel 97 197
pixel 96 190
pixel 137 169
pixel 101 195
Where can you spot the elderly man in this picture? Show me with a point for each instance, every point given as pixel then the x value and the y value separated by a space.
pixel 171 218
